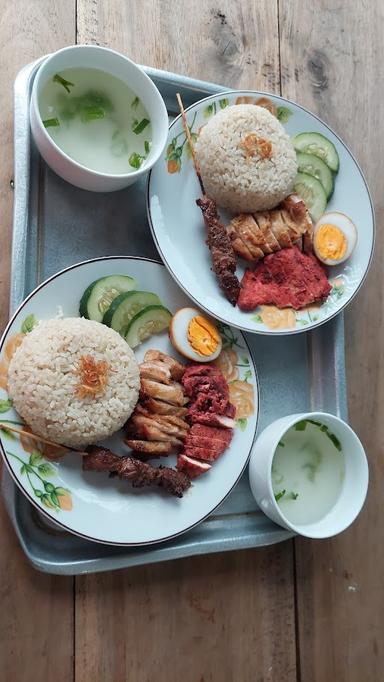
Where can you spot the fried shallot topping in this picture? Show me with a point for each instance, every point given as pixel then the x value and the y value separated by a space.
pixel 252 145
pixel 93 377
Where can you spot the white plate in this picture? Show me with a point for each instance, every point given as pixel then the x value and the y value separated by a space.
pixel 179 232
pixel 89 503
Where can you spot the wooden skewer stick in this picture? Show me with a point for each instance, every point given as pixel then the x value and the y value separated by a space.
pixel 190 142
pixel 28 434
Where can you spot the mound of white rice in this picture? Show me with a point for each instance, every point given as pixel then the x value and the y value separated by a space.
pixel 44 379
pixel 239 181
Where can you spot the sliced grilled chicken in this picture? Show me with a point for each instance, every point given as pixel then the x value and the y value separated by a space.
pixel 157 426
pixel 172 394
pixel 149 429
pixel 172 419
pixel 254 237
pixel 159 422
pixel 263 221
pixel 248 231
pixel 175 367
pixel 156 371
pixel 159 407
pixel 280 230
pixel 299 213
pixel 149 448
pixel 239 245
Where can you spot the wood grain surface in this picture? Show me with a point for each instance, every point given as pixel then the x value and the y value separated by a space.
pixel 209 619
pixel 36 611
pixel 234 43
pixel 328 67
pixel 233 616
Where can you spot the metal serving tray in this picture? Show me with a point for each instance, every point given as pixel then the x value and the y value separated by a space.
pixel 56 225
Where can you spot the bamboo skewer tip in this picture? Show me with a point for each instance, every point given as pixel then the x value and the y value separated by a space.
pixel 190 142
pixel 4 426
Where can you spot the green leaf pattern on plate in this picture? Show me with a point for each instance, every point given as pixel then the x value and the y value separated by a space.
pixel 176 147
pixel 36 469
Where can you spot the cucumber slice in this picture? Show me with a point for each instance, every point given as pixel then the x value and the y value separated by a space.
pixel 319 145
pixel 151 320
pixel 97 298
pixel 312 192
pixel 125 306
pixel 313 165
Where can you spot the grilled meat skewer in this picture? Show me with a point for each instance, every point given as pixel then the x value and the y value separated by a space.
pixel 220 246
pixel 139 473
pixel 222 251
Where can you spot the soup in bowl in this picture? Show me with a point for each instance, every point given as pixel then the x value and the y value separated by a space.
pixel 97 119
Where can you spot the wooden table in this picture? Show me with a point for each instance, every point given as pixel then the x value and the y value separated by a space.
pixel 309 611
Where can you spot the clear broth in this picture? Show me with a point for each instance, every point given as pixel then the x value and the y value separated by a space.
pixel 309 467
pixel 97 120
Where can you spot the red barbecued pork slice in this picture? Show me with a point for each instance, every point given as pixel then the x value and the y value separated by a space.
pixel 212 402
pixel 211 432
pixel 192 467
pixel 206 442
pixel 287 278
pixel 202 379
pixel 212 419
pixel 201 453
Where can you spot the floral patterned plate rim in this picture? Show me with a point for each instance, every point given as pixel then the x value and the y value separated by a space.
pixel 90 504
pixel 179 233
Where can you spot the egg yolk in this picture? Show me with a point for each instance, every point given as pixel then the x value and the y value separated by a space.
pixel 203 336
pixel 330 242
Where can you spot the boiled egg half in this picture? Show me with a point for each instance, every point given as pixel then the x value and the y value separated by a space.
pixel 194 335
pixel 335 237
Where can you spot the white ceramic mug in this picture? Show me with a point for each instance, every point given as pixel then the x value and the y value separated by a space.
pixel 355 483
pixel 94 57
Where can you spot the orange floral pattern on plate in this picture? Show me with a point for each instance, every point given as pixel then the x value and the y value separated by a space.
pixel 241 396
pixel 227 364
pixel 10 347
pixel 275 318
pixel 65 501
pixel 31 444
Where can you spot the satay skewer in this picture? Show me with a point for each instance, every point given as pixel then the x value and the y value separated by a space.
pixel 219 243
pixel 190 142
pixel 22 432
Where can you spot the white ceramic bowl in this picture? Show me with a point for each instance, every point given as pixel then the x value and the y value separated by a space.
pixel 355 484
pixel 90 56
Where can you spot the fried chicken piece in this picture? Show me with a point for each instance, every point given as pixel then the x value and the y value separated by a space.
pixel 159 407
pixel 176 368
pixel 149 448
pixel 155 371
pixel 170 394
